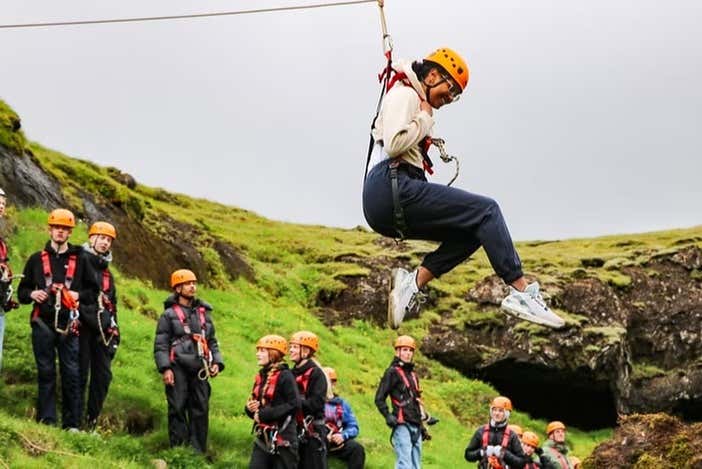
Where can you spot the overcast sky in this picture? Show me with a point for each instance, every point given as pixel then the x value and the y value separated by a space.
pixel 581 117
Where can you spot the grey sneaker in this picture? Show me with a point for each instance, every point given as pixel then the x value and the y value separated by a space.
pixel 530 306
pixel 405 297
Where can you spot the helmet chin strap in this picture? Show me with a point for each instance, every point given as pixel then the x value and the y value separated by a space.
pixel 429 88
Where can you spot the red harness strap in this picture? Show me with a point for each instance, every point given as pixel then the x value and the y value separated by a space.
pixel 49 279
pixel 265 392
pixel 186 327
pixel 414 392
pixel 505 436
pixel 303 380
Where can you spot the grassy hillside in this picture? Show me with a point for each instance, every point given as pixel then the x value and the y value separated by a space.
pixel 292 265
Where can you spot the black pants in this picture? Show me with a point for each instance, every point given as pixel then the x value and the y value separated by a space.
pixel 286 458
pixel 46 343
pixel 95 362
pixel 188 409
pixel 352 452
pixel 313 451
pixel 459 220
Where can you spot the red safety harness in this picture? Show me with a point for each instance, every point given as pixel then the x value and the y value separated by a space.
pixel 493 461
pixel 200 340
pixel 335 421
pixel 265 395
pixel 51 287
pixel 415 393
pixel 106 303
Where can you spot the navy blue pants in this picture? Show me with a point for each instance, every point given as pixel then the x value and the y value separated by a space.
pixel 95 363
pixel 459 220
pixel 45 343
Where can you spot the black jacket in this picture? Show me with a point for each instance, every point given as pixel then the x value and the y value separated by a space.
pixel 312 402
pixel 170 332
pixel 33 279
pixel 513 455
pixel 285 402
pixel 97 267
pixel 392 384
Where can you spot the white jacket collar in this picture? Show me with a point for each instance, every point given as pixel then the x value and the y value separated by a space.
pixel 405 67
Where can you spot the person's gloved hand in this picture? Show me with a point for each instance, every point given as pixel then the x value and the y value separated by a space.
pixel 489 451
pixel 391 420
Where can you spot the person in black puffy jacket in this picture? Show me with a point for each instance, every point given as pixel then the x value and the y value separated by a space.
pixel 187 354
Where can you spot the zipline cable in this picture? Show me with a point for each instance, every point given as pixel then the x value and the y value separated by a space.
pixel 179 17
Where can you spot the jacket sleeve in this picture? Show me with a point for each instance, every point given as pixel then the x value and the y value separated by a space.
pixel 404 124
pixel 313 403
pixel 514 453
pixel 474 449
pixel 383 391
pixel 26 285
pixel 287 387
pixel 547 461
pixel 214 345
pixel 88 286
pixel 349 421
pixel 162 343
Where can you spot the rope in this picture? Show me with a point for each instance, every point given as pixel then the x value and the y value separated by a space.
pixel 178 17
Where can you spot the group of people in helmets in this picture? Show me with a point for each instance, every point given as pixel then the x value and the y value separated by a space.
pixel 499 445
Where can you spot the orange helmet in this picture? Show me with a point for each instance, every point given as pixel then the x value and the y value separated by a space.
pixel 102 228
pixel 453 63
pixel 501 402
pixel 61 217
pixel 306 338
pixel 331 372
pixel 182 276
pixel 553 426
pixel 531 439
pixel 516 429
pixel 274 342
pixel 405 341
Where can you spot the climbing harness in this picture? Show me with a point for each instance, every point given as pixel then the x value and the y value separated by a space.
pixel 334 422
pixel 204 353
pixel 306 423
pixel 104 304
pixel 269 438
pixel 493 461
pixel 388 78
pixel 62 295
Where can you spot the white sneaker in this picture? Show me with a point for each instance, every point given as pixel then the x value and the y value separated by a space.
pixel 529 305
pixel 72 430
pixel 405 296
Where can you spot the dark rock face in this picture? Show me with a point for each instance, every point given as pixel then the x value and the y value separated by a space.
pixel 142 250
pixel 623 350
pixel 25 182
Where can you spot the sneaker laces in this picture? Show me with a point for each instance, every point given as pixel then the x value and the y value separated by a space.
pixel 416 301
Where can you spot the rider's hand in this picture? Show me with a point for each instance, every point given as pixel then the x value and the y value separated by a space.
pixel 253 406
pixel 337 438
pixel 214 370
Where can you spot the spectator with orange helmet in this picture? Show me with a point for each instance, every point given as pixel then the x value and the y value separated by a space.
pixel 314 390
pixel 530 445
pixel 398 201
pixel 187 354
pixel 343 428
pixel 494 445
pixel 401 384
pixel 55 281
pixel 555 454
pixel 273 405
pixel 99 335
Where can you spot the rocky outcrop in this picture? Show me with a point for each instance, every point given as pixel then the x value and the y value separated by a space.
pixel 624 349
pixel 650 441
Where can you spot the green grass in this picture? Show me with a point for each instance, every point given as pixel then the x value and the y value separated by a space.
pixel 292 264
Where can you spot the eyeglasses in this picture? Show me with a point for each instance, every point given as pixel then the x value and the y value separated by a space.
pixel 454 90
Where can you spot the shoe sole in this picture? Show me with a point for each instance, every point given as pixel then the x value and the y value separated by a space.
pixel 530 318
pixel 391 300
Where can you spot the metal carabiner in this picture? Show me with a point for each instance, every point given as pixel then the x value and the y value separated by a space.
pixel 440 144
